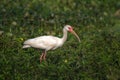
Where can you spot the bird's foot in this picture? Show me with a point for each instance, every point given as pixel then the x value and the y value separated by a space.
pixel 40 60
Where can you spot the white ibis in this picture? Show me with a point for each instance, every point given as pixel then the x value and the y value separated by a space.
pixel 49 42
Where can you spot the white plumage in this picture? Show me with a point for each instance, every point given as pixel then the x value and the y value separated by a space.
pixel 43 42
pixel 49 42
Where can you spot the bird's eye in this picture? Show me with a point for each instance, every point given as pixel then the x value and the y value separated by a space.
pixel 69 28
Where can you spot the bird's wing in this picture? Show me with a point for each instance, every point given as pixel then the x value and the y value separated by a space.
pixel 43 42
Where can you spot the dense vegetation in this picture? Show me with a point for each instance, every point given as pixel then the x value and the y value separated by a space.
pixel 97 22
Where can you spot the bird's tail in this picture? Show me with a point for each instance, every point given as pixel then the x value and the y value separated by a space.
pixel 26 46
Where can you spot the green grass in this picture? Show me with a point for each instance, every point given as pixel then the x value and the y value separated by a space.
pixel 97 57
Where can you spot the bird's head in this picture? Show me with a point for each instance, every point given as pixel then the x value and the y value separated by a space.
pixel 70 29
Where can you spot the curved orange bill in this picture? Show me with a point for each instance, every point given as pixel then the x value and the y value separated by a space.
pixel 73 32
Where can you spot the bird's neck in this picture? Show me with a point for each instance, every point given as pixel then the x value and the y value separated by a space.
pixel 64 38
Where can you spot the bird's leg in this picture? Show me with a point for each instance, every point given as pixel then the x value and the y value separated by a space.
pixel 44 56
pixel 41 57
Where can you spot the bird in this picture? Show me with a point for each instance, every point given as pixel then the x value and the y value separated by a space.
pixel 49 42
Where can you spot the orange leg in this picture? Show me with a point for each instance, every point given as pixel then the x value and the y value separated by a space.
pixel 43 56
